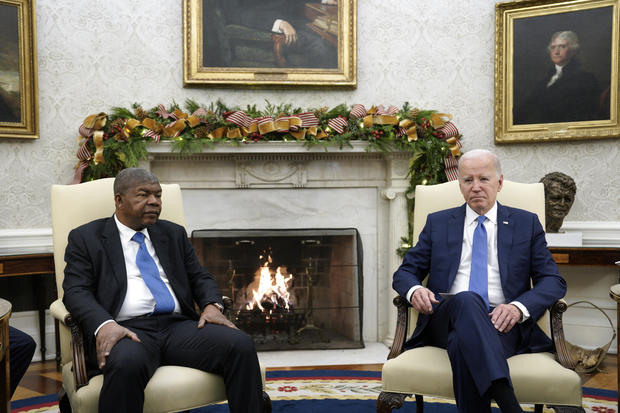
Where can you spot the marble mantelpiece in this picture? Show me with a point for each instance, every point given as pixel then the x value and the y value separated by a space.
pixel 285 185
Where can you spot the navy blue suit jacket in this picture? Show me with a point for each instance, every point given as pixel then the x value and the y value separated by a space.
pixel 95 281
pixel 527 270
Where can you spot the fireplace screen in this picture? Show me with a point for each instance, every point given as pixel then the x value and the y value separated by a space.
pixel 291 289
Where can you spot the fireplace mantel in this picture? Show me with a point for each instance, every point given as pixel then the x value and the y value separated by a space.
pixel 286 185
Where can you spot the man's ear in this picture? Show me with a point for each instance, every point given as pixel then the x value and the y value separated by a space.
pixel 118 200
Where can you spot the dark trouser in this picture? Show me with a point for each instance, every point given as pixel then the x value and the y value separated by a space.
pixel 176 340
pixel 477 351
pixel 316 52
pixel 21 348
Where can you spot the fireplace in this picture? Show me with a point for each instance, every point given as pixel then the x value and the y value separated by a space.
pixel 291 288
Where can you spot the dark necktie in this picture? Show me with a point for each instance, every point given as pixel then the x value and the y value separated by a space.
pixel 164 303
pixel 478 278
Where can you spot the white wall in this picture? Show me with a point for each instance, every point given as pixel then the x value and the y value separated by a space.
pixel 436 54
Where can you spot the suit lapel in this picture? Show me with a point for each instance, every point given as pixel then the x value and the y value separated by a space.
pixel 113 248
pixel 455 227
pixel 505 230
pixel 162 249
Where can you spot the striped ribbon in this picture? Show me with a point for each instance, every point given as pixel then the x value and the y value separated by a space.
pixel 152 134
pixel 391 110
pixel 85 132
pixel 164 114
pixel 308 119
pixel 357 111
pixel 338 124
pixel 448 130
pixel 79 171
pixel 83 153
pixel 239 118
pixel 451 168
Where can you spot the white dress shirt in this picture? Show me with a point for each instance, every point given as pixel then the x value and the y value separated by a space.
pixel 556 75
pixel 461 281
pixel 138 299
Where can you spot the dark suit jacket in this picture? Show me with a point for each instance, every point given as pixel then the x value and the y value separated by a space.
pixel 575 96
pixel 95 281
pixel 523 260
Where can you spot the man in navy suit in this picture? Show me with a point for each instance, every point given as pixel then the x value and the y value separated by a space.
pixel 481 329
pixel 133 324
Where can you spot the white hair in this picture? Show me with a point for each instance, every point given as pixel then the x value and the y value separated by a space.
pixel 478 153
pixel 571 38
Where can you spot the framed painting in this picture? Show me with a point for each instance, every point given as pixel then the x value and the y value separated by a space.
pixel 270 43
pixel 19 115
pixel 556 70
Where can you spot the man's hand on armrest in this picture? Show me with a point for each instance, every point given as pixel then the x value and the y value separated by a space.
pixel 505 316
pixel 423 299
pixel 212 314
pixel 108 335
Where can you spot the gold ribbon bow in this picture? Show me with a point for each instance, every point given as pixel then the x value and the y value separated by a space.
pixel 98 141
pixel 440 119
pixel 410 129
pixel 96 121
pixel 372 118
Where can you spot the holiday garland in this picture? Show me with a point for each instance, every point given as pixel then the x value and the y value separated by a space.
pixel 109 143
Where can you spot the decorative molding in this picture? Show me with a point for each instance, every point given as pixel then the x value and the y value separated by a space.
pixel 39 240
pixel 595 233
pixel 25 241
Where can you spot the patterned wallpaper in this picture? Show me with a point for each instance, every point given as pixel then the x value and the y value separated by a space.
pixel 437 54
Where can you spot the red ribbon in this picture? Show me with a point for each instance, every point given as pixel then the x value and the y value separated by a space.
pixel 357 111
pixel 164 114
pixel 239 118
pixel 308 119
pixel 338 124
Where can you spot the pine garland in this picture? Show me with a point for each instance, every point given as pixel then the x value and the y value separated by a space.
pixel 125 136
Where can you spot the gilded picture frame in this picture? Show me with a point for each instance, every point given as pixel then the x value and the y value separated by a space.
pixel 236 43
pixel 556 70
pixel 19 113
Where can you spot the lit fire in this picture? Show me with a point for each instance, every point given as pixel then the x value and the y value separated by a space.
pixel 271 288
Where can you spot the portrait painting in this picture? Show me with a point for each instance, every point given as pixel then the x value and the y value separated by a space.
pixel 270 42
pixel 556 70
pixel 18 85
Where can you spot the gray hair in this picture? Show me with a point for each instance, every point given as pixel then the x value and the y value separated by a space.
pixel 571 38
pixel 477 153
pixel 130 177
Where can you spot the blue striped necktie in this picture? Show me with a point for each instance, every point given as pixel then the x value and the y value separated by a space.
pixel 478 278
pixel 164 303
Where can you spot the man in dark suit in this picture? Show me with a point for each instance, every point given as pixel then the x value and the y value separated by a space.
pixel 566 93
pixel 488 256
pixel 285 17
pixel 21 350
pixel 131 281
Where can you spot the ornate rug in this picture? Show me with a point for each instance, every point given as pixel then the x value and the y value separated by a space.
pixel 312 391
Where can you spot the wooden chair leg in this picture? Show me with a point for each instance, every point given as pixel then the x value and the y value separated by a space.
pixel 388 401
pixel 266 403
pixel 419 403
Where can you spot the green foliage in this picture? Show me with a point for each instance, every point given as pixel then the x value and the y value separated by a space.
pixel 123 148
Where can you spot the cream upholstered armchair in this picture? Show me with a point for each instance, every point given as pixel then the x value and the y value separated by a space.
pixel 172 388
pixel 539 379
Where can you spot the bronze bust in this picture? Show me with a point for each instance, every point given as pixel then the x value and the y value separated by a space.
pixel 560 192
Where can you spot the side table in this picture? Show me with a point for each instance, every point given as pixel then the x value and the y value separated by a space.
pixel 5 387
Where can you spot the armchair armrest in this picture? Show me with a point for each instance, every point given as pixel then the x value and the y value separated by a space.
pixel 58 310
pixel 402 320
pixel 555 314
pixel 557 334
pixel 60 313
